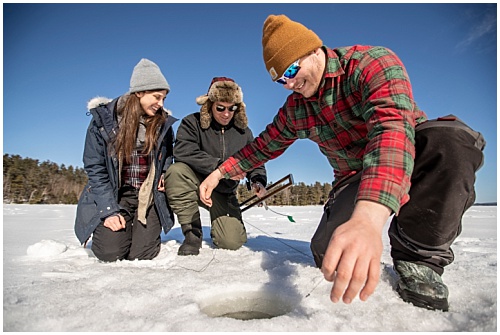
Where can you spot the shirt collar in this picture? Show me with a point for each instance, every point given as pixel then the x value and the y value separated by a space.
pixel 333 68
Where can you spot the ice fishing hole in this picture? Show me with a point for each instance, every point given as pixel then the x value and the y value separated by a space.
pixel 245 306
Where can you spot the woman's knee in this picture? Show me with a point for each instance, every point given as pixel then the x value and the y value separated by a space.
pixel 110 246
pixel 146 253
pixel 109 253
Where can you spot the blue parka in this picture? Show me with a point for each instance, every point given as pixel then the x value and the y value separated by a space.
pixel 99 198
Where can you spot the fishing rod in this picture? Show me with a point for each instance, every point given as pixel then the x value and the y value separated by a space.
pixel 272 189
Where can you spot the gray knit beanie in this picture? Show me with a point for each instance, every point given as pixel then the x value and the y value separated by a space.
pixel 147 77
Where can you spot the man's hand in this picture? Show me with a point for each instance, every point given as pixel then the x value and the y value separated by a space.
pixel 259 189
pixel 115 222
pixel 352 259
pixel 208 185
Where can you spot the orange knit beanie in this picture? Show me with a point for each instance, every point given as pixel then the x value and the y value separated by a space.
pixel 284 41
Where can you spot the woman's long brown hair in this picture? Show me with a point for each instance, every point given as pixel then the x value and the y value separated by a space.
pixel 129 126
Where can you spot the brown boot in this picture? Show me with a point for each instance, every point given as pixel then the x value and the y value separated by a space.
pixel 193 236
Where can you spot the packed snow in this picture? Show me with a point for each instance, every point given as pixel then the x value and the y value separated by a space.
pixel 51 283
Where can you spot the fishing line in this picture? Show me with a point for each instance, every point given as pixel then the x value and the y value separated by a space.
pixel 291 247
pixel 194 270
pixel 319 282
pixel 290 218
pixel 202 269
pixel 288 245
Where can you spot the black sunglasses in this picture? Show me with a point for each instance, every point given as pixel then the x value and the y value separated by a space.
pixel 220 108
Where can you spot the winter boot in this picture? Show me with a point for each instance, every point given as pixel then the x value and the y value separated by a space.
pixel 421 286
pixel 193 236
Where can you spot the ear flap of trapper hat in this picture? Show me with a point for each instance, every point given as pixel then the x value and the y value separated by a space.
pixel 240 116
pixel 206 114
pixel 222 89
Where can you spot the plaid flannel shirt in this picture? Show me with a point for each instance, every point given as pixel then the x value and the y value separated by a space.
pixel 135 173
pixel 363 118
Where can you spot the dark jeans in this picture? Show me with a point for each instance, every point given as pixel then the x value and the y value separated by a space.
pixel 136 241
pixel 447 156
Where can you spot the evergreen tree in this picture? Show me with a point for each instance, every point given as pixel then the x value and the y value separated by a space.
pixel 26 180
pixel 295 195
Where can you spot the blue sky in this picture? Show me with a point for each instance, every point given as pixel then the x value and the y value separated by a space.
pixel 58 56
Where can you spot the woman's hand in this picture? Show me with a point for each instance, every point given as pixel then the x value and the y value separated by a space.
pixel 115 222
pixel 161 184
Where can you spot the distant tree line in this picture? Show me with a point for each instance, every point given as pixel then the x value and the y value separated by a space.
pixel 29 181
pixel 298 194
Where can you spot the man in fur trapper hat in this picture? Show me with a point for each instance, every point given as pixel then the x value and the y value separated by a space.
pixel 204 140
pixel 222 89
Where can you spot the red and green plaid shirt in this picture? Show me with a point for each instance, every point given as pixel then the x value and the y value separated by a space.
pixel 363 119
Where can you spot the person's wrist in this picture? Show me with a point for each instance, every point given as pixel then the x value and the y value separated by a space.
pixel 220 174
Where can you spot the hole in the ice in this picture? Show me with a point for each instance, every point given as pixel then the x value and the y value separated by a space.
pixel 246 306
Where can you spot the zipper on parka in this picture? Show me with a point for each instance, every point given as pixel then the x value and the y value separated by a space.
pixel 223 144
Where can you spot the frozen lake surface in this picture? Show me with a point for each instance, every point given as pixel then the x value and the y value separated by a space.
pixel 51 283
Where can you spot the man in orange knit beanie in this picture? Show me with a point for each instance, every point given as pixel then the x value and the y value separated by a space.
pixel 357 104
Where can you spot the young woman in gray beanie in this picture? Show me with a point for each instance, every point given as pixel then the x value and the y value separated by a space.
pixel 128 147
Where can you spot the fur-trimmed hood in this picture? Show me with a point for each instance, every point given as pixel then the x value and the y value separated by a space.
pixel 96 101
pixel 222 89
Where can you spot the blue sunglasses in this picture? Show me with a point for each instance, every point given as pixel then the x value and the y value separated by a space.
pixel 290 73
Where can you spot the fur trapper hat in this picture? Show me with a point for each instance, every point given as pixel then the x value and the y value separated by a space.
pixel 222 89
